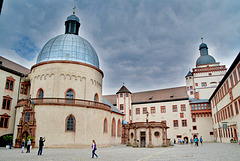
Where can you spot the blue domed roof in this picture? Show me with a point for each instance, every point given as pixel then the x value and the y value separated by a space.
pixel 205 59
pixel 73 17
pixel 69 47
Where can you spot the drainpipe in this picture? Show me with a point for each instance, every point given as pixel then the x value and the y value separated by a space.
pixel 14 123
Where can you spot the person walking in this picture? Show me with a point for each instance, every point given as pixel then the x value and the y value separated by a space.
pixel 23 144
pixel 196 141
pixel 28 145
pixel 191 140
pixel 201 140
pixel 94 148
pixel 41 144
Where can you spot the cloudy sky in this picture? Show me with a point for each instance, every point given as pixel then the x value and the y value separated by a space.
pixel 147 44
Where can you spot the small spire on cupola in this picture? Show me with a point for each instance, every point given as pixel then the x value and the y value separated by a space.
pixel 74 10
pixel 72 24
pixel 202 38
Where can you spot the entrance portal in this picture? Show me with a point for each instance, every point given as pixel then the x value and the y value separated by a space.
pixel 142 139
pixel 24 136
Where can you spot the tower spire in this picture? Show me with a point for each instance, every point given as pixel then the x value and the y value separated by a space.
pixel 202 38
pixel 74 9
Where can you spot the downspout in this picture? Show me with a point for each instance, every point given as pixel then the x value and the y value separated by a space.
pixel 14 124
pixel 220 136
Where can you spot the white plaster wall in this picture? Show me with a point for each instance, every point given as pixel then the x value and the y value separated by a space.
pixel 14 95
pixel 56 78
pixel 89 125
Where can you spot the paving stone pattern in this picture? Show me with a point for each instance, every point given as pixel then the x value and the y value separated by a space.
pixel 205 152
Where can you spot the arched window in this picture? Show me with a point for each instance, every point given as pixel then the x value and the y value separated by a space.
pixel 113 127
pixel 119 128
pixel 96 97
pixel 27 117
pixel 105 126
pixel 40 93
pixel 70 125
pixel 69 94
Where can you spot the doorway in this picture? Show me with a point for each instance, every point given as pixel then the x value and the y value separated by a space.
pixel 185 140
pixel 143 139
pixel 24 136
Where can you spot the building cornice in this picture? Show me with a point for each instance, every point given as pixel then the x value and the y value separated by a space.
pixel 67 62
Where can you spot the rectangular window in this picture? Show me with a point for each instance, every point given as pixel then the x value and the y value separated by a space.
pixel 191 87
pixel 6 103
pixel 184 123
pixel 236 107
pixel 144 110
pixel 24 88
pixel 193 119
pixel 163 109
pixel 153 110
pixel 204 84
pixel 174 107
pixel 231 81
pixel 181 115
pixel 227 85
pixel 231 108
pixel 210 133
pixel 121 107
pixel 191 93
pixel 196 84
pixel 194 127
pixel 4 122
pixel 229 114
pixel 183 107
pixel 121 95
pixel 10 83
pixel 137 111
pixel 175 123
pixel 126 94
pixel 235 76
pixel 239 71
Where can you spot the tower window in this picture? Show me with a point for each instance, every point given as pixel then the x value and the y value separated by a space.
pixel 126 94
pixel 70 123
pixel 121 95
pixel 204 84
pixel 121 107
pixel 40 93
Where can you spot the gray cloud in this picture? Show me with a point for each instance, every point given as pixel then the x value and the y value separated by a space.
pixel 147 44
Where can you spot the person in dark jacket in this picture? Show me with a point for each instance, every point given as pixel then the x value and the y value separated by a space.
pixel 41 144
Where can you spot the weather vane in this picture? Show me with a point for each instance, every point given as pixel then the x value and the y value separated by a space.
pixel 74 9
pixel 202 38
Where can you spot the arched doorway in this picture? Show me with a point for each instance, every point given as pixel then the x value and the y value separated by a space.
pixel 185 140
pixel 195 135
pixel 24 136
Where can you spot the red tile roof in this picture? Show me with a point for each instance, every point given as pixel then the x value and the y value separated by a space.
pixel 169 94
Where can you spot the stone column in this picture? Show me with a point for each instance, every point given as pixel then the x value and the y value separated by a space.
pixel 135 137
pixel 150 138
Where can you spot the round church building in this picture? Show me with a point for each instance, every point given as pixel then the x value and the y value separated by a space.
pixel 66 105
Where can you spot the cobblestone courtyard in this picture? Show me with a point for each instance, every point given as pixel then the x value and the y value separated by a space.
pixel 206 152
